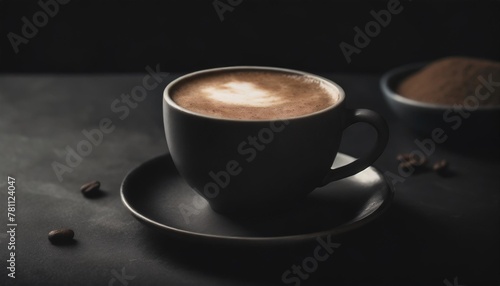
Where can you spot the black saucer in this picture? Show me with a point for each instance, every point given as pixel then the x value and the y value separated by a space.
pixel 155 194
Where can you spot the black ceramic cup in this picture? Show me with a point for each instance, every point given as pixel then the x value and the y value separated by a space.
pixel 257 166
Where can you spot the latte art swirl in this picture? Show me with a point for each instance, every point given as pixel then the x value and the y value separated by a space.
pixel 243 94
pixel 254 95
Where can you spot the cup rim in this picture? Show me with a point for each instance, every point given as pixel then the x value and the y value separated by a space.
pixel 167 95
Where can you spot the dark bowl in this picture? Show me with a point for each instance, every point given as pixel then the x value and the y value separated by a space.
pixel 465 124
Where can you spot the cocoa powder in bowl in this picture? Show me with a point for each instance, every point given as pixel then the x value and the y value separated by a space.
pixel 449 81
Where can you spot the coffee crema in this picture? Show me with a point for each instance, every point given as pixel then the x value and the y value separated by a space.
pixel 254 94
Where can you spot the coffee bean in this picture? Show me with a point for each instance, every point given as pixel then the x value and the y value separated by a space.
pixel 61 236
pixel 409 160
pixel 440 167
pixel 418 161
pixel 405 165
pixel 412 158
pixel 91 189
pixel 404 157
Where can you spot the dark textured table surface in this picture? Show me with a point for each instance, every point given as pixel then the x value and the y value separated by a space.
pixel 439 230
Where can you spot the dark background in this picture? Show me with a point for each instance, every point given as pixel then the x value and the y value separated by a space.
pixel 125 36
pixel 437 229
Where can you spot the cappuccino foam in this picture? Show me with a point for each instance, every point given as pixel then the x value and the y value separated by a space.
pixel 248 94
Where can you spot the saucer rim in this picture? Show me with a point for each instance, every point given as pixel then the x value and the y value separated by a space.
pixel 338 230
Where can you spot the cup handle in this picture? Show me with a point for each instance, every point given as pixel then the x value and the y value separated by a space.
pixel 352 116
